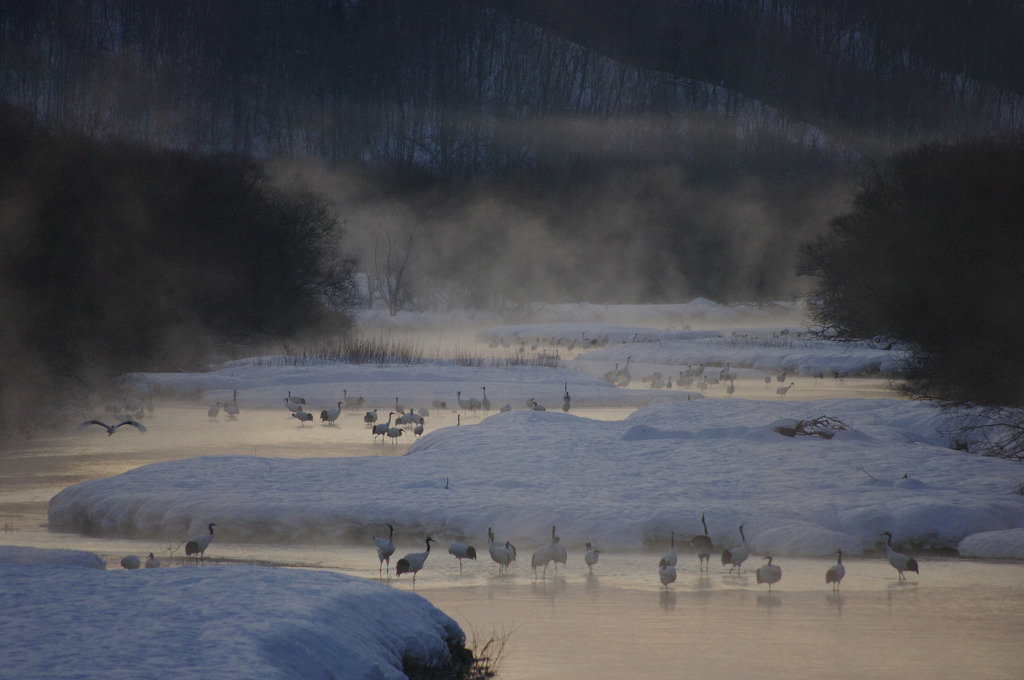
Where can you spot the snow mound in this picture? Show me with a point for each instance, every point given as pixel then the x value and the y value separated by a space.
pixel 16 554
pixel 236 622
pixel 1008 544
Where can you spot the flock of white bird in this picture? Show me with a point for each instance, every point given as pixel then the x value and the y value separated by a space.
pixel 406 418
pixel 504 553
pixel 414 418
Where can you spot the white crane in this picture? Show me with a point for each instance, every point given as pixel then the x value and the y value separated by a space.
pixel 231 407
pixel 558 553
pixel 836 572
pixel 543 556
pixel 394 433
pixel 622 375
pixel 535 406
pixel 781 391
pixel 197 545
pixel 666 572
pixel 463 551
pixel 418 430
pixel 303 417
pixel 292 406
pixel 735 557
pixel 503 554
pixel 485 402
pixel 296 401
pixel 731 387
pixel 354 402
pixel 111 429
pixel 704 546
pixel 899 561
pixel 131 562
pixel 409 418
pixel 385 548
pixel 726 373
pixel 381 429
pixel 213 411
pixel 671 556
pixel 331 414
pixel 781 377
pixel 591 556
pixel 152 562
pixel 769 573
pixel 413 562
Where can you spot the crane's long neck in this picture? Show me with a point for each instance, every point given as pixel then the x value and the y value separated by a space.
pixel 705 524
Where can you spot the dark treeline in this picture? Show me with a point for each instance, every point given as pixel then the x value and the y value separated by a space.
pixel 119 258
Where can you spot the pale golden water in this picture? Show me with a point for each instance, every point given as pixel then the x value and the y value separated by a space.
pixel 958 618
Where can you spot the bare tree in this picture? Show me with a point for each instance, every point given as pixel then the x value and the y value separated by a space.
pixel 996 431
pixel 391 280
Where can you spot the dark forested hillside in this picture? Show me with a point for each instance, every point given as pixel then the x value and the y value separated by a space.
pixel 860 69
pixel 460 87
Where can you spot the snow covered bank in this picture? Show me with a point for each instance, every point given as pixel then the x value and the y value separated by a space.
pixel 1008 544
pixel 752 354
pixel 229 622
pixel 621 484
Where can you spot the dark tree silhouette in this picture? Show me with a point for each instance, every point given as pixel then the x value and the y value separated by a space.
pixel 930 256
pixel 121 258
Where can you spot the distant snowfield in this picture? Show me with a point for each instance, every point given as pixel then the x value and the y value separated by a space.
pixel 60 620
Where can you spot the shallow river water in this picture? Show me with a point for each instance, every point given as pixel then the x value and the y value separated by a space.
pixel 958 618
